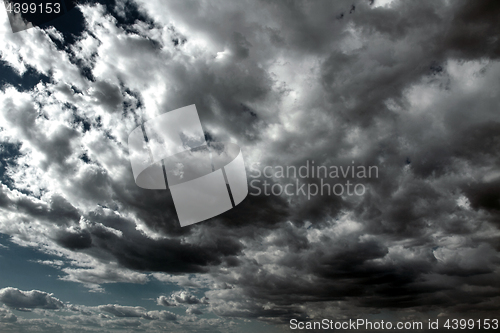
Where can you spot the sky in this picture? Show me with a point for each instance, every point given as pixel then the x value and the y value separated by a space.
pixel 409 88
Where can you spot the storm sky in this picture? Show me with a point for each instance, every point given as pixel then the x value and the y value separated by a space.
pixel 411 87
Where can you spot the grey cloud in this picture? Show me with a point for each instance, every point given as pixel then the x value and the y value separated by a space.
pixel 164 301
pixel 473 24
pixel 107 95
pixel 123 311
pixel 185 297
pixel 57 210
pixel 56 145
pixel 139 312
pixel 7 316
pixel 193 311
pixel 179 298
pixel 18 299
pixel 74 240
pixel 411 88
pixel 83 320
pixel 122 323
pixel 161 315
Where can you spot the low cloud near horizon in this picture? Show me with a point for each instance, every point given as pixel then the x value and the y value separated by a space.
pixel 410 87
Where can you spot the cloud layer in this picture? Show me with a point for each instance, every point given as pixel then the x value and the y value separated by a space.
pixel 409 87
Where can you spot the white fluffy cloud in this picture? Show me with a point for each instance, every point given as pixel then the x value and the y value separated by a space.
pixel 181 297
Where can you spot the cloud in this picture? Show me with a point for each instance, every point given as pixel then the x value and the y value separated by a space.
pixel 83 321
pixel 193 311
pixel 162 315
pixel 186 281
pixel 137 311
pixel 103 274
pixel 411 87
pixel 88 318
pixel 34 299
pixel 123 311
pixel 184 297
pixel 181 298
pixel 164 301
pixel 6 316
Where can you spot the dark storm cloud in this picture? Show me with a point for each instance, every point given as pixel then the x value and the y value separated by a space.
pixel 194 311
pixel 90 318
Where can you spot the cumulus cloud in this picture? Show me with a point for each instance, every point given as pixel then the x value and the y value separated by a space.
pixel 181 298
pixel 184 297
pixel 34 299
pixel 86 319
pixel 193 311
pixel 409 87
pixel 161 315
pixel 164 301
